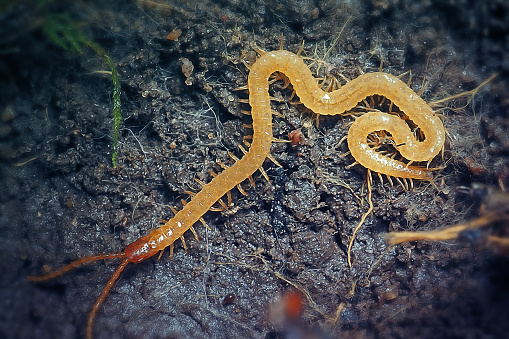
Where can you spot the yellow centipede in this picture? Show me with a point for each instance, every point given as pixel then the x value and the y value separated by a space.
pixel 325 103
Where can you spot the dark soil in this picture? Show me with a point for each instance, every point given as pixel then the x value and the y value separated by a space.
pixel 61 199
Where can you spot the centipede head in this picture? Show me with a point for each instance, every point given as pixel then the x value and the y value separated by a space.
pixel 141 249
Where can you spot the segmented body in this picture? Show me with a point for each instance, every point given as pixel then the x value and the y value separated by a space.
pixel 324 103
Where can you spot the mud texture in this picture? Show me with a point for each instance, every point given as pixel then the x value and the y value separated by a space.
pixel 61 199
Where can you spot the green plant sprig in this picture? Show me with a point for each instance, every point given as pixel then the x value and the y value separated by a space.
pixel 65 33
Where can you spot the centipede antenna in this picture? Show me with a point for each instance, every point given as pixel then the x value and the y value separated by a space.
pixel 73 265
pixel 104 293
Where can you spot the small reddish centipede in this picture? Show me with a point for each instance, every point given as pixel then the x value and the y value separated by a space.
pixel 325 103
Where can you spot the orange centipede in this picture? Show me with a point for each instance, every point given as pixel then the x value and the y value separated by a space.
pixel 319 101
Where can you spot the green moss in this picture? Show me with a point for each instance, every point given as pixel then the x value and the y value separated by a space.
pixel 65 33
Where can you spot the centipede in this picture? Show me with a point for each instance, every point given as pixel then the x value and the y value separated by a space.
pixel 321 102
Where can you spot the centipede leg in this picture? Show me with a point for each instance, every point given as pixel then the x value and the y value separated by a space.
pixel 202 184
pixel 390 180
pixel 274 160
pixel 229 197
pixel 241 190
pixel 183 243
pixel 401 183
pixel 223 204
pixel 352 165
pixel 205 224
pixel 251 181
pixel 265 175
pixel 276 113
pixel 194 233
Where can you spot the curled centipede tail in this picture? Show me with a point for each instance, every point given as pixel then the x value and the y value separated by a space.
pixel 73 265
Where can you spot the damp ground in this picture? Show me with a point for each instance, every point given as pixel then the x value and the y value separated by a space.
pixel 61 199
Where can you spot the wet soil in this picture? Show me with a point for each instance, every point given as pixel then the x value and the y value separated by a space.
pixel 61 199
